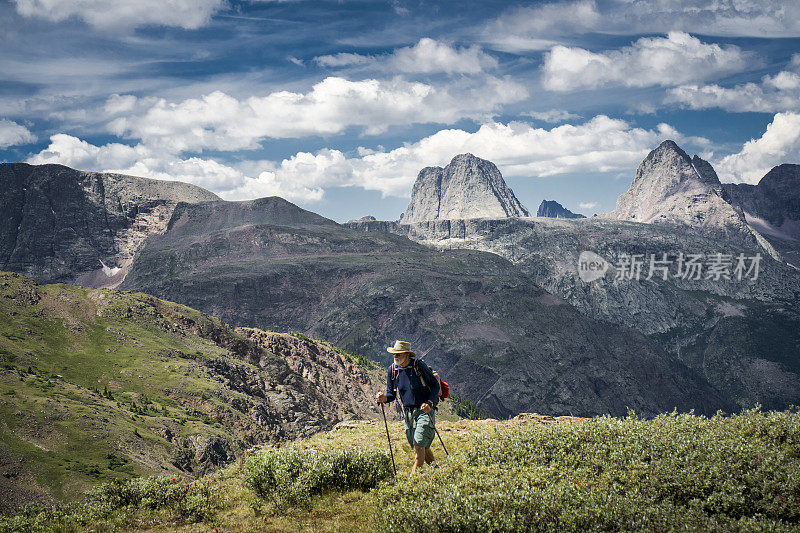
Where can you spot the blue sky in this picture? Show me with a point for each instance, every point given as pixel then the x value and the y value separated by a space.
pixel 337 105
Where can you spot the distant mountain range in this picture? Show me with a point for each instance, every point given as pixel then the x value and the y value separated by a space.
pixel 491 296
pixel 739 334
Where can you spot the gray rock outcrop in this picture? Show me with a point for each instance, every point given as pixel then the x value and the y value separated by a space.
pixel 775 199
pixel 368 218
pixel 469 187
pixel 772 208
pixel 553 209
pixel 64 225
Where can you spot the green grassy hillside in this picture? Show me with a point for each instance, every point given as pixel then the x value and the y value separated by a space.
pixel 532 473
pixel 97 385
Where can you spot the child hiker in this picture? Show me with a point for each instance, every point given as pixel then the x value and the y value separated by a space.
pixel 412 382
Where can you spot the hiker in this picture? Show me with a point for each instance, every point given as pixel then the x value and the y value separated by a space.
pixel 412 382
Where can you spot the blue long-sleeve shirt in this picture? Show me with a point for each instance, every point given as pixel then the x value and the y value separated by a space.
pixel 415 386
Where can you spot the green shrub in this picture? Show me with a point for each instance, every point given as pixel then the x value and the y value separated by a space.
pixel 671 472
pixel 290 477
pixel 115 501
pixel 190 501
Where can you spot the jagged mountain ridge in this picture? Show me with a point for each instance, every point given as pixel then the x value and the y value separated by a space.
pixel 553 209
pixel 468 187
pixel 62 225
pixel 686 317
pixel 776 197
pixel 772 207
pixel 672 188
pixel 477 318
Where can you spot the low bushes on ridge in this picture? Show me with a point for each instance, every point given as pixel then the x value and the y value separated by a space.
pixel 671 472
pixel 113 502
pixel 290 477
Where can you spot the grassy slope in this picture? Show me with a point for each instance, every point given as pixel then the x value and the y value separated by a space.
pixel 54 417
pixel 534 473
pixel 172 390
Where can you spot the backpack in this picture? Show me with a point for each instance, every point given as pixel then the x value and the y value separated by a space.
pixel 444 388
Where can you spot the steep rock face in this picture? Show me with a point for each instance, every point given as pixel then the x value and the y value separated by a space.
pixel 672 188
pixel 64 225
pixel 500 341
pixel 349 382
pixel 773 208
pixel 698 321
pixel 553 209
pixel 469 187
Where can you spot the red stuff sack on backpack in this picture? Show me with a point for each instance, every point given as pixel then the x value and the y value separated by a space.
pixel 444 389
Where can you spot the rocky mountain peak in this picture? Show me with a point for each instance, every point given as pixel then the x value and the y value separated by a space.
pixel 468 187
pixel 368 218
pixel 553 209
pixel 772 208
pixel 671 187
pixel 784 181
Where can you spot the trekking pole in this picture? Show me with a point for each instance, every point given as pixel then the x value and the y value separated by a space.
pixel 440 440
pixel 386 425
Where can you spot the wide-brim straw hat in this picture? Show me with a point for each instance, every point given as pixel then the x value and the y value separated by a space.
pixel 400 347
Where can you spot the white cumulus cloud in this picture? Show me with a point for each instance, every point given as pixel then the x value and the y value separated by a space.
pixel 13 134
pixel 140 160
pixel 221 122
pixel 779 92
pixel 428 56
pixel 676 59
pixel 124 14
pixel 780 143
pixel 601 144
pixel 588 205
pixel 540 26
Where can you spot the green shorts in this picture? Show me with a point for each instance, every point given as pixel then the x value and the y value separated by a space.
pixel 420 427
